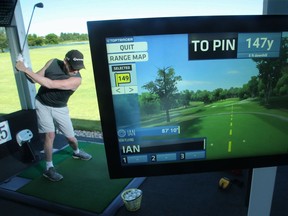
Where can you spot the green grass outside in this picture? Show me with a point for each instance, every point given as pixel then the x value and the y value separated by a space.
pixel 83 104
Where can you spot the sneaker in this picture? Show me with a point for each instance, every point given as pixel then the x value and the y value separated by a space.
pixel 82 155
pixel 52 175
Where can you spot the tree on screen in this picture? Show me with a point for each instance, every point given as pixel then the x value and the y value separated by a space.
pixel 165 86
pixel 272 73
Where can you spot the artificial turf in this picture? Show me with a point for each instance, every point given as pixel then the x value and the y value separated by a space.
pixel 86 184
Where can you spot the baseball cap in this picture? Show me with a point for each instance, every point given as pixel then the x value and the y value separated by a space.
pixel 75 59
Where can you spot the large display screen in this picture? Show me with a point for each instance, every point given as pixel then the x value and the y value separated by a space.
pixel 192 94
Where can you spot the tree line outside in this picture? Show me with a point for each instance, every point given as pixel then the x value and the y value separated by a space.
pixel 35 40
pixel 163 94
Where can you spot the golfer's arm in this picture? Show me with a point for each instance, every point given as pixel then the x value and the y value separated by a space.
pixel 67 84
pixel 29 73
pixel 40 72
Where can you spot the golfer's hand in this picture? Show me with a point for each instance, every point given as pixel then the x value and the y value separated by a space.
pixel 21 66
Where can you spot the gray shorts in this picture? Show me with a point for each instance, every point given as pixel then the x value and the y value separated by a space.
pixel 50 118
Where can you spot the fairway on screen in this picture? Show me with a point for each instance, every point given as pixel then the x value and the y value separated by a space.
pixel 195 100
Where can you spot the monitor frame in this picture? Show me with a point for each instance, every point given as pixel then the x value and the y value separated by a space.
pixel 100 30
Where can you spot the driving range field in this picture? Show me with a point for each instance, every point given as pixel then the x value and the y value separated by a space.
pixel 232 127
pixel 83 104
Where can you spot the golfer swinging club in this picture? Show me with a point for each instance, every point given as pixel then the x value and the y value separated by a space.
pixel 58 80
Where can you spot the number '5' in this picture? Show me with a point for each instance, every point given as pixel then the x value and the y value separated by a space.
pixel 3 133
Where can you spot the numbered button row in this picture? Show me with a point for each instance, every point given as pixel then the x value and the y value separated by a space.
pixel 163 157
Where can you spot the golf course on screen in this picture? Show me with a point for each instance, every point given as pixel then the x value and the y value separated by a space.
pixel 232 127
pixel 238 105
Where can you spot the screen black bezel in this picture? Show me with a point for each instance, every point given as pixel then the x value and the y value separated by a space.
pixel 100 30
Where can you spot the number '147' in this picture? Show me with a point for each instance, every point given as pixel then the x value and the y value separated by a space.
pixel 262 42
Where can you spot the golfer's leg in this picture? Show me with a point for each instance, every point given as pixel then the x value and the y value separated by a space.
pixel 64 124
pixel 48 146
pixel 73 142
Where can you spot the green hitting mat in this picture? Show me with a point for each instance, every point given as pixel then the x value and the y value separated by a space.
pixel 86 184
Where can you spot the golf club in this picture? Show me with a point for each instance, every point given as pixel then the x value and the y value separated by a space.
pixel 39 5
pixel 20 56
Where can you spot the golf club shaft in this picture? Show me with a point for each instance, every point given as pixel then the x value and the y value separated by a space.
pixel 40 5
pixel 27 30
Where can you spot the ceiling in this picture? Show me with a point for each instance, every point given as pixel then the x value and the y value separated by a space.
pixel 6 12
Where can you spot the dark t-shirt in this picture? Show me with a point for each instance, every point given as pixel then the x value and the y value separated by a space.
pixel 55 97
